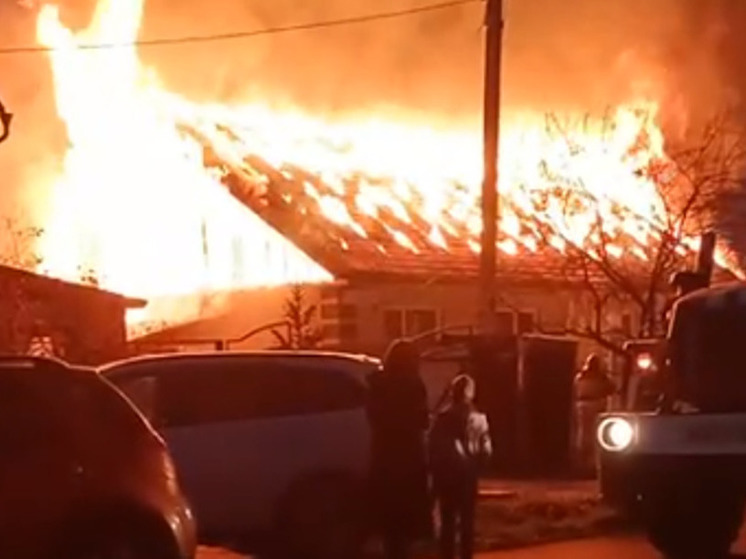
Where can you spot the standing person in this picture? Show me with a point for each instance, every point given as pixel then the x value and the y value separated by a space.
pixel 459 446
pixel 399 417
pixel 592 389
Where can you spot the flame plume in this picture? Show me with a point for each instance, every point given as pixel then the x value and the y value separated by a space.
pixel 139 204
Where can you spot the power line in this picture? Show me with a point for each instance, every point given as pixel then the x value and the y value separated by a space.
pixel 252 33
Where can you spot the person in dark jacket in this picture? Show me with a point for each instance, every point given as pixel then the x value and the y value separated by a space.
pixel 399 419
pixel 459 445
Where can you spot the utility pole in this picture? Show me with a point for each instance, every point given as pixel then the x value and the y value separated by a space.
pixel 491 115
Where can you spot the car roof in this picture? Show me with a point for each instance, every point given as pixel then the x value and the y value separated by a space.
pixel 47 371
pixel 30 362
pixel 48 365
pixel 301 355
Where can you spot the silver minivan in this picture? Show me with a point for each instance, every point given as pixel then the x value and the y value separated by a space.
pixel 268 443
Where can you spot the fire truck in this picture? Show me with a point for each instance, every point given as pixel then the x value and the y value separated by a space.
pixel 678 465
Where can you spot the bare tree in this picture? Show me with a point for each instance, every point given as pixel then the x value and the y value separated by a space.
pixel 20 245
pixel 5 119
pixel 302 332
pixel 627 257
pixel 20 249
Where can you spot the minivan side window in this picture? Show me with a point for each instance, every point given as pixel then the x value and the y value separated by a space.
pixel 217 391
pixel 317 389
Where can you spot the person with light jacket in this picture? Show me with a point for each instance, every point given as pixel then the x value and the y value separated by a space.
pixel 459 446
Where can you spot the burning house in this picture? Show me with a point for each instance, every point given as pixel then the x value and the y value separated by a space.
pixel 379 219
pixel 396 272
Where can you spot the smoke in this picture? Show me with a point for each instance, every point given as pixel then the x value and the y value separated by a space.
pixel 579 55
pixel 575 55
pixel 30 155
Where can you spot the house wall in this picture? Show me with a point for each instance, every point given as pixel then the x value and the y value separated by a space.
pixel 233 317
pixel 49 317
pixel 94 327
pixel 354 317
pixel 259 307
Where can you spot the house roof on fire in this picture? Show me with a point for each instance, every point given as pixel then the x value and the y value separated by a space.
pixel 351 244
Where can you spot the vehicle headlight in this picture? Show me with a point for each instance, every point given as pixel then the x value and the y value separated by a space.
pixel 615 434
pixel 645 362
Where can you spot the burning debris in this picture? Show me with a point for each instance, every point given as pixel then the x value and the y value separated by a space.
pixel 155 190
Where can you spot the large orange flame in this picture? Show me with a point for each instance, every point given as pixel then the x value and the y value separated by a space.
pixel 137 204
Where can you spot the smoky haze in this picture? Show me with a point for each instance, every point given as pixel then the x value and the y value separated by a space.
pixel 572 55
pixel 576 55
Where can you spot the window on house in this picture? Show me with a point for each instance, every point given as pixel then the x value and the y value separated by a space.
pixel 419 321
pixel 348 331
pixel 526 322
pixel 409 322
pixel 393 324
pixel 504 322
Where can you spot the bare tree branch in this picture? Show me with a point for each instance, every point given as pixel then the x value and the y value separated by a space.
pixel 613 264
pixel 599 336
pixel 20 245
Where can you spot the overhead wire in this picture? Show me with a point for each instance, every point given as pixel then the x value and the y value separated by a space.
pixel 193 39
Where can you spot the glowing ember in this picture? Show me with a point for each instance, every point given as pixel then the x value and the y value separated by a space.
pixel 140 205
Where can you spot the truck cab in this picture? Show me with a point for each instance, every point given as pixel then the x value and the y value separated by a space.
pixel 680 467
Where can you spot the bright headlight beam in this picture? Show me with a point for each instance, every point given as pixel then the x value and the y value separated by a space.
pixel 615 434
